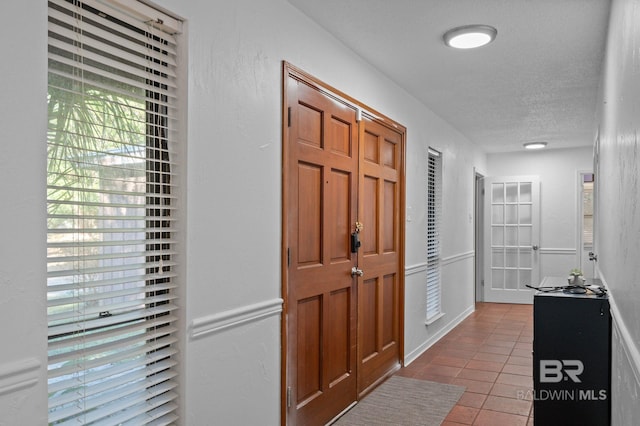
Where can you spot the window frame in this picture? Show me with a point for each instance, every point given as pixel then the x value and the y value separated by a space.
pixel 433 295
pixel 92 28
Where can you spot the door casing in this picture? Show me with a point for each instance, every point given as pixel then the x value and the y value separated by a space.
pixel 479 236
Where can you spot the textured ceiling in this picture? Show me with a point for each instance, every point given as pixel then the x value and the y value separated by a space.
pixel 537 81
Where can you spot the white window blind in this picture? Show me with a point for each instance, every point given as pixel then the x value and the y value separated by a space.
pixel 434 197
pixel 587 211
pixel 111 200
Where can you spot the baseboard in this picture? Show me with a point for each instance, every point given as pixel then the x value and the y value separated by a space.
pixel 413 355
pixel 215 323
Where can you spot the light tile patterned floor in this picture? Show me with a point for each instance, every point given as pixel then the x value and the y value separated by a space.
pixel 490 354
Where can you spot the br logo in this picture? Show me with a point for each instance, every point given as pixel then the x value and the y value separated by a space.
pixel 555 370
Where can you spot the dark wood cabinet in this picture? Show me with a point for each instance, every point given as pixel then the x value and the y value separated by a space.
pixel 571 359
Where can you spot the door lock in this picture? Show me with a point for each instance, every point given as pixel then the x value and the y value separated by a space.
pixel 535 247
pixel 355 238
pixel 355 242
pixel 356 271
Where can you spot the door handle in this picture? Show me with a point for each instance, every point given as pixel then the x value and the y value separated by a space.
pixel 535 247
pixel 356 271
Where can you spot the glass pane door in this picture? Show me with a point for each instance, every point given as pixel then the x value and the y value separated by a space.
pixel 512 209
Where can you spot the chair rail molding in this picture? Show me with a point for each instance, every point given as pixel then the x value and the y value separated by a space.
pixel 215 323
pixel 415 269
pixel 444 261
pixel 19 375
pixel 458 257
pixel 563 251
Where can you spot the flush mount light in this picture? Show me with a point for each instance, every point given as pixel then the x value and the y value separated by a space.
pixel 469 36
pixel 535 145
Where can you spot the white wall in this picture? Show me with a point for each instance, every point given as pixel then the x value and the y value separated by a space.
pixel 235 54
pixel 617 239
pixel 558 170
pixel 23 123
pixel 460 160
pixel 232 299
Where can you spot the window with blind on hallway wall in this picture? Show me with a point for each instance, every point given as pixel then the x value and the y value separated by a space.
pixel 434 201
pixel 112 200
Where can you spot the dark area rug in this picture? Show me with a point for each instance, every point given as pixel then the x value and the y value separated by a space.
pixel 404 401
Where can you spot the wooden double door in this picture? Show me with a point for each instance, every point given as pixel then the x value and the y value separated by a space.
pixel 343 187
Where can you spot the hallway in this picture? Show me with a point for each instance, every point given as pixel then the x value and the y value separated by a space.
pixel 489 353
pixel 200 224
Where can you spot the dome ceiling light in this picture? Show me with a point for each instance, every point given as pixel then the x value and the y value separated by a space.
pixel 470 36
pixel 535 145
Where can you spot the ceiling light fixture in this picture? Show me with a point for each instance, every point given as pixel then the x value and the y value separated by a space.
pixel 469 36
pixel 535 145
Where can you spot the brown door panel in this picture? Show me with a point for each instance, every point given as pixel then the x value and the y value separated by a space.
pixel 321 297
pixel 379 289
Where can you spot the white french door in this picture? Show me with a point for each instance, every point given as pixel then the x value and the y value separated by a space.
pixel 512 234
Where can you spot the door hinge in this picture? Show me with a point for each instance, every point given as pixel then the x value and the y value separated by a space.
pixel 482 283
pixel 288 257
pixel 289 397
pixel 289 117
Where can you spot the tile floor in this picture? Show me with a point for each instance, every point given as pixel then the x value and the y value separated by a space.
pixel 490 354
